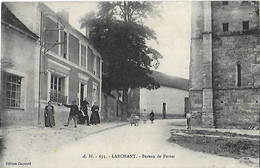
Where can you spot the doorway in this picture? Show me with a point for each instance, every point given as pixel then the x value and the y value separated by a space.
pixel 164 110
pixel 81 93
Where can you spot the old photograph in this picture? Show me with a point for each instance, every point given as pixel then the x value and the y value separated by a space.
pixel 130 84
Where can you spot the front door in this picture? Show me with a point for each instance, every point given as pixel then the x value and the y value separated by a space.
pixel 164 110
pixel 81 93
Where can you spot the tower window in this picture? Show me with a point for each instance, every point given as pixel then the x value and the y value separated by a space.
pixel 225 26
pixel 224 2
pixel 245 25
pixel 238 74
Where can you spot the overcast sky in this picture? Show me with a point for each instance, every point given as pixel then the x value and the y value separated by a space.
pixel 173 32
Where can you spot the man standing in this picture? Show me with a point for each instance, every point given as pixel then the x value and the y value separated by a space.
pixel 85 105
pixel 74 109
pixel 188 117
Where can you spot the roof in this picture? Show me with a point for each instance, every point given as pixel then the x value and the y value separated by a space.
pixel 10 19
pixel 170 81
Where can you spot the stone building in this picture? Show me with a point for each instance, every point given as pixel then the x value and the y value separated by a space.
pixel 19 70
pixel 69 66
pixel 168 101
pixel 225 64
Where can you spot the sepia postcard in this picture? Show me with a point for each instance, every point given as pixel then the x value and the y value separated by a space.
pixel 130 84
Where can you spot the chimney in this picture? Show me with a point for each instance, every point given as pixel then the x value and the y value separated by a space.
pixel 63 14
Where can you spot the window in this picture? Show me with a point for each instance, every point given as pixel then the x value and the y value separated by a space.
pixel 63 43
pixel 57 89
pixel 245 2
pixel 95 65
pixel 224 2
pixel 245 25
pixel 238 74
pixel 225 27
pixel 83 55
pixel 95 93
pixel 12 91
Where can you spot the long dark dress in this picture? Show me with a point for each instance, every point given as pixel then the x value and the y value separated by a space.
pixel 49 116
pixel 94 118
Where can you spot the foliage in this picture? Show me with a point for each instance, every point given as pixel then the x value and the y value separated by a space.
pixel 117 30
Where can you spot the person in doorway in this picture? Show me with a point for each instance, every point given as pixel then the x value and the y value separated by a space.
pixel 94 118
pixel 85 105
pixel 74 109
pixel 151 116
pixel 49 115
pixel 188 117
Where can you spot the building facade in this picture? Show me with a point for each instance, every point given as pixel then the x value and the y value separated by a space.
pixel 225 64
pixel 19 70
pixel 69 67
pixel 168 101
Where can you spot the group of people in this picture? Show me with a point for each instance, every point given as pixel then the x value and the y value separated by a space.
pixel 134 118
pixel 78 115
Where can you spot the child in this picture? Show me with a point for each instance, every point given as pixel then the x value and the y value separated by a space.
pixel 134 119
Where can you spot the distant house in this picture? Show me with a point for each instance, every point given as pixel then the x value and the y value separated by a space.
pixel 68 67
pixel 19 70
pixel 168 101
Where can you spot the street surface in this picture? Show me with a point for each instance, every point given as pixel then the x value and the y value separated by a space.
pixel 125 146
pixel 142 143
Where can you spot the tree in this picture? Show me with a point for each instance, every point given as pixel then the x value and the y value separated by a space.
pixel 117 30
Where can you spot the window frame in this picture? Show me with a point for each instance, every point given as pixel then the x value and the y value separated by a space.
pixel 80 55
pixel 245 24
pixel 62 48
pixel 225 27
pixel 239 74
pixel 16 92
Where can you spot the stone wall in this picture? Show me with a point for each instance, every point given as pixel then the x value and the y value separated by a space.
pixel 233 105
pixel 227 52
pixel 111 108
pixel 196 106
pixel 237 108
pixel 134 100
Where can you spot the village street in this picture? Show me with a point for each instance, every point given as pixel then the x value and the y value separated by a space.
pixel 109 148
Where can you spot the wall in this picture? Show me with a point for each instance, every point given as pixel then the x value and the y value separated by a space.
pixel 61 112
pixel 22 52
pixel 235 106
pixel 153 100
pixel 134 100
pixel 73 49
pixel 111 108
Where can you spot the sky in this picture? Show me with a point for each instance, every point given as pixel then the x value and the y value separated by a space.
pixel 172 30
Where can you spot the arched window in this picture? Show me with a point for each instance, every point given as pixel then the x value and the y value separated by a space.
pixel 238 74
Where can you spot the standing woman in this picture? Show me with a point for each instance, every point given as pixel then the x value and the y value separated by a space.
pixel 94 118
pixel 49 115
